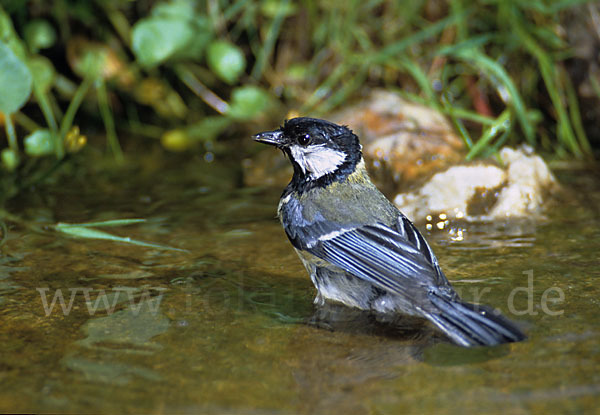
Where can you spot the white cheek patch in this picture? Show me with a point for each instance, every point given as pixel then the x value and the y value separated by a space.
pixel 317 160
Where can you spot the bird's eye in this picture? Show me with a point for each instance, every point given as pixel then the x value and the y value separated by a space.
pixel 304 140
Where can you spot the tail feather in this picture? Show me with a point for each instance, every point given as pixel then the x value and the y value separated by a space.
pixel 472 325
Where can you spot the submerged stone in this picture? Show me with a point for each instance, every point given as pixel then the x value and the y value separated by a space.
pixel 131 328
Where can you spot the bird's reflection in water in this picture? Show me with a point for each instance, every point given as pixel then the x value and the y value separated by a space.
pixel 358 350
pixel 412 338
pixel 407 329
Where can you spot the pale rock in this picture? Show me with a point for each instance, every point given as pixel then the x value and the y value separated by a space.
pixel 520 188
pixel 529 180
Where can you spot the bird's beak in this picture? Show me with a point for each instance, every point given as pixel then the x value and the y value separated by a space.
pixel 274 138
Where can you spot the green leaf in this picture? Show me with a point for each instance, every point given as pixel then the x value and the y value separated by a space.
pixel 226 60
pixel 112 222
pixel 9 36
pixel 397 47
pixel 39 34
pixel 15 81
pixel 203 34
pixel 39 143
pixel 501 124
pixel 42 72
pixel 272 8
pixel 184 13
pixel 93 61
pixel 498 75
pixel 177 9
pixel 10 159
pixel 155 40
pixel 91 233
pixel 272 34
pixel 6 27
pixel 248 102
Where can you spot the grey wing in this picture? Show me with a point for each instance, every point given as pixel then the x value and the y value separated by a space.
pixel 396 260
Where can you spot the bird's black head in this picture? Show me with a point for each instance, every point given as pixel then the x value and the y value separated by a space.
pixel 320 151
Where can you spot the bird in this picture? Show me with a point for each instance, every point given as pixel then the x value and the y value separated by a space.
pixel 358 248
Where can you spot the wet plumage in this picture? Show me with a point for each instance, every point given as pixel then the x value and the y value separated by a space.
pixel 358 248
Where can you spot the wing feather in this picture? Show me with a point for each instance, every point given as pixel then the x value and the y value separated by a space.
pixel 382 256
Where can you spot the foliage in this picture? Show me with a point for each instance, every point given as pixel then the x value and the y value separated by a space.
pixel 88 231
pixel 495 67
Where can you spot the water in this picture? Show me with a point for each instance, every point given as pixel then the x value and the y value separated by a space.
pixel 222 327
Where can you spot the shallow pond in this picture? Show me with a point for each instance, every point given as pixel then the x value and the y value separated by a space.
pixel 90 326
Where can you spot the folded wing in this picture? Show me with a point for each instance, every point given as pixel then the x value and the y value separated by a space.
pixel 396 260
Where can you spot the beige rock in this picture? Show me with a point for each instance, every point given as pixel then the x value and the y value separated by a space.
pixel 529 181
pixel 483 191
pixel 450 191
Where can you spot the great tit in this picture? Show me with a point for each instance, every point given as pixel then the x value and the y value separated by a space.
pixel 358 248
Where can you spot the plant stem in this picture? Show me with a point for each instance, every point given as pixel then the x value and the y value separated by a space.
pixel 269 44
pixel 74 105
pixel 193 83
pixel 499 125
pixel 42 100
pixel 10 133
pixel 109 122
pixel 26 122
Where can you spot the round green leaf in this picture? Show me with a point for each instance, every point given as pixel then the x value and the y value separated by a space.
pixel 273 8
pixel 226 60
pixel 177 9
pixel 15 81
pixel 154 40
pixel 10 159
pixel 93 62
pixel 203 34
pixel 248 102
pixel 39 143
pixel 39 34
pixel 43 73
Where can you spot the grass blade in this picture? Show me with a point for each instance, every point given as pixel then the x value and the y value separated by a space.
pixel 269 43
pixel 501 124
pixel 495 71
pixel 394 49
pixel 113 222
pixel 109 122
pixel 86 232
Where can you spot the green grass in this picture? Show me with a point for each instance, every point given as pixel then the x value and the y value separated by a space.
pixel 498 43
pixel 312 56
